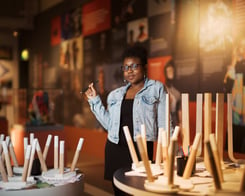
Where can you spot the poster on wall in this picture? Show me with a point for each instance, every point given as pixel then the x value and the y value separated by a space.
pixel 71 24
pixel 161 39
pixel 96 17
pixel 137 32
pixel 124 11
pixel 71 54
pixel 55 31
pixel 155 69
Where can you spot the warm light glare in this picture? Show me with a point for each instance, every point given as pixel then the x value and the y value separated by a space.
pixel 17 134
pixel 15 33
pixel 216 28
pixel 25 55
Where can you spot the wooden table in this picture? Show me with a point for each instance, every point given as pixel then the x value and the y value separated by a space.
pixel 135 185
pixel 131 184
pixel 70 189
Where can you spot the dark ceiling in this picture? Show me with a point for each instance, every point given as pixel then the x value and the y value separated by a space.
pixel 18 14
pixel 12 8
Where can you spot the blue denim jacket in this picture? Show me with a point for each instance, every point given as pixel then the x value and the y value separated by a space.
pixel 148 108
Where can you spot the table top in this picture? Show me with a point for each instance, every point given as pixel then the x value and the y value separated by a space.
pixel 135 185
pixel 72 188
pixel 131 184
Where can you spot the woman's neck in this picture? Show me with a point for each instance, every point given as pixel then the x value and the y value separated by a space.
pixel 133 90
pixel 137 86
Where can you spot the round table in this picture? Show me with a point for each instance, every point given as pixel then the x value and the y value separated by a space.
pixel 134 185
pixel 131 184
pixel 70 189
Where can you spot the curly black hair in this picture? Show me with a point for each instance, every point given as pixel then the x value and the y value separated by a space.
pixel 138 52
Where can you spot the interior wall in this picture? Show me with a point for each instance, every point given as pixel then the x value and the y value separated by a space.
pixel 7 39
pixel 47 4
pixel 188 34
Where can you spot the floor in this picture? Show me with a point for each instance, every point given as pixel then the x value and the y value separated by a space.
pixel 93 168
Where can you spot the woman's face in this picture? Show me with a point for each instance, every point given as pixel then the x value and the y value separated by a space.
pixel 133 75
pixel 170 73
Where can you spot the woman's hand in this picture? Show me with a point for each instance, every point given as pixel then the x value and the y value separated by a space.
pixel 91 92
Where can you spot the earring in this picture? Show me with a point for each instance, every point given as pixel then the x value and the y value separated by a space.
pixel 125 81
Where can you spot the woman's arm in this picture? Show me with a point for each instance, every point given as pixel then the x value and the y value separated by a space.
pixel 97 107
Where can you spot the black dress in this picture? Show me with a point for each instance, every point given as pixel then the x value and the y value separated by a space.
pixel 117 155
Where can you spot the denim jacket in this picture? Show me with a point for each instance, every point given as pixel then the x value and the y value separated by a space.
pixel 149 108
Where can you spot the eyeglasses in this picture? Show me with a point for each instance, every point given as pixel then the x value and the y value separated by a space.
pixel 133 66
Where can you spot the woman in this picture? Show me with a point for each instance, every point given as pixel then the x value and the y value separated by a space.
pixel 140 101
pixel 174 94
